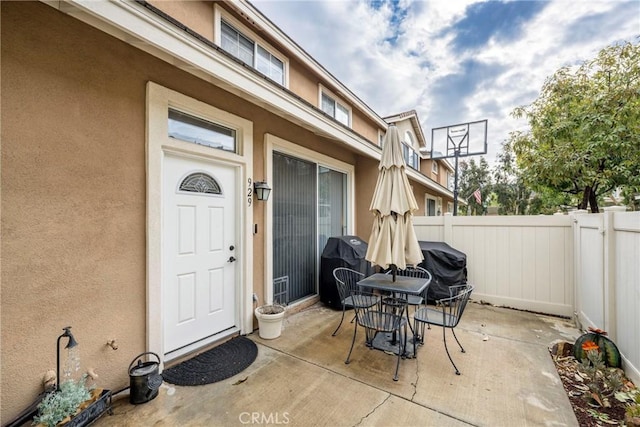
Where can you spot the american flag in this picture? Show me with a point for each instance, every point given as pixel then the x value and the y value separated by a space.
pixel 478 196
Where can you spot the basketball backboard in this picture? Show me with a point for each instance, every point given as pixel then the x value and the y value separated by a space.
pixel 465 139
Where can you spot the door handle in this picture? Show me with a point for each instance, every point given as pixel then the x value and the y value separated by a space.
pixel 231 259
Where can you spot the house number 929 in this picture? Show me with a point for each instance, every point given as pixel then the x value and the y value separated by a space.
pixel 249 192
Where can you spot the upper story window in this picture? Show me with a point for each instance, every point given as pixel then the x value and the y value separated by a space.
pixel 251 53
pixel 334 108
pixel 410 155
pixel 434 166
pixel 450 182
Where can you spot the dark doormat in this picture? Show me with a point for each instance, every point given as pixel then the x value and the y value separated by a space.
pixel 217 364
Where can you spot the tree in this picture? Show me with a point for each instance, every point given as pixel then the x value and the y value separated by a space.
pixel 584 136
pixel 472 177
pixel 509 188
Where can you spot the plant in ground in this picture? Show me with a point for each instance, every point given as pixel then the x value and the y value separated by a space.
pixel 577 386
pixel 632 413
pixel 602 382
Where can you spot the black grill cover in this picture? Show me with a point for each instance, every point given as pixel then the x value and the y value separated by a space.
pixel 341 251
pixel 448 267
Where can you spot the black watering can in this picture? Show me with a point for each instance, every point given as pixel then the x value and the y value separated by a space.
pixel 144 379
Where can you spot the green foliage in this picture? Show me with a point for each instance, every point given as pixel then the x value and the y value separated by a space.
pixel 473 176
pixel 510 191
pixel 602 382
pixel 504 186
pixel 547 201
pixel 58 405
pixel 584 134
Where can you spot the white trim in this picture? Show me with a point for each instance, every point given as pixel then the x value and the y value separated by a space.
pixel 428 197
pixel 429 183
pixel 139 27
pixel 219 14
pixel 414 125
pixel 324 90
pixel 255 17
pixel 273 143
pixel 159 99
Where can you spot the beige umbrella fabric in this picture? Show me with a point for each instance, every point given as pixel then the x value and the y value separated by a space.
pixel 393 241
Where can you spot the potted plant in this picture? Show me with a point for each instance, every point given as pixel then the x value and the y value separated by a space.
pixel 270 318
pixel 73 405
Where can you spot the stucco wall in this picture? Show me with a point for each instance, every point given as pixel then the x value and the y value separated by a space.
pixel 197 15
pixel 73 199
pixel 366 178
pixel 73 193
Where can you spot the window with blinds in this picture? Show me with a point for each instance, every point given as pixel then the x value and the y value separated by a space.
pixel 294 224
pixel 333 108
pixel 251 53
pixel 309 206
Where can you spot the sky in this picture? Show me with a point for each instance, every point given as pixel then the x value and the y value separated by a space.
pixel 453 61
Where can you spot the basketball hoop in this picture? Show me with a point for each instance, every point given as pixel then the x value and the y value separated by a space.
pixel 461 140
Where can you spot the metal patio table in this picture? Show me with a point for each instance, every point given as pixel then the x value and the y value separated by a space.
pixel 404 286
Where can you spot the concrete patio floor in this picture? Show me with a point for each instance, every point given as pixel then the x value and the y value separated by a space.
pixel 300 379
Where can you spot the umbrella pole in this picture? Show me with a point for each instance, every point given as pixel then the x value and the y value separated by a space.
pixel 394 270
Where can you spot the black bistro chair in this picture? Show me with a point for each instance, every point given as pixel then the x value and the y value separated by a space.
pixel 419 272
pixel 346 281
pixel 376 320
pixel 447 314
pixel 415 300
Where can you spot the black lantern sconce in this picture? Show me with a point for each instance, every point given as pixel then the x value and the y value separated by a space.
pixel 70 344
pixel 262 190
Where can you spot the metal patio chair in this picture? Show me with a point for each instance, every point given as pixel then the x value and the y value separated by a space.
pixel 419 272
pixel 447 314
pixel 415 300
pixel 374 320
pixel 346 281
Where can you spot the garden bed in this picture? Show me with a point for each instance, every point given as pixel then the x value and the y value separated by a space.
pixel 585 405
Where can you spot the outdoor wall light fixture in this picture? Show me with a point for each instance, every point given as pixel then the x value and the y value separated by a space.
pixel 70 344
pixel 262 190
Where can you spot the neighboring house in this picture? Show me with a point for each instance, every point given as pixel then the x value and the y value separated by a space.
pixel 132 135
pixel 438 196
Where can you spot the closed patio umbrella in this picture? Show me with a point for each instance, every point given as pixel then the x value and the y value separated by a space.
pixel 393 242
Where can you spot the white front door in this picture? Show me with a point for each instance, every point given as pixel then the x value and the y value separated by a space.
pixel 199 250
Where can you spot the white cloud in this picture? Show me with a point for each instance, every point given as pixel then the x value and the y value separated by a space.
pixel 423 70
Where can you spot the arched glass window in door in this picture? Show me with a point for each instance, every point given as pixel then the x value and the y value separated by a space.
pixel 199 182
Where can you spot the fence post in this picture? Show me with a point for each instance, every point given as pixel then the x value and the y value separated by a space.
pixel 577 267
pixel 447 230
pixel 610 271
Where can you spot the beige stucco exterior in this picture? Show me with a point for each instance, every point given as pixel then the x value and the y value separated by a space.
pixel 74 187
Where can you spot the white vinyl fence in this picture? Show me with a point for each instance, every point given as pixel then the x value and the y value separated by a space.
pixel 584 266
pixel 608 280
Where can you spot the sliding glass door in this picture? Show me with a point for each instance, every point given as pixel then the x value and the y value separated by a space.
pixel 309 206
pixel 332 193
